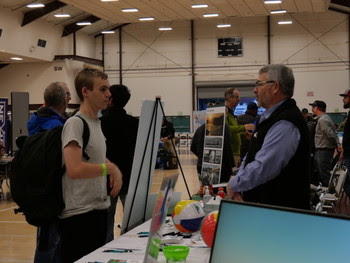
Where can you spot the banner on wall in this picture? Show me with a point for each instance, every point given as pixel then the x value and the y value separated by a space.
pixel 3 122
pixel 213 145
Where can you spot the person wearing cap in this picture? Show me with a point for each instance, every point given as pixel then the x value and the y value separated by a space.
pixel 250 116
pixel 275 170
pixel 231 102
pixel 120 130
pixel 326 141
pixel 346 140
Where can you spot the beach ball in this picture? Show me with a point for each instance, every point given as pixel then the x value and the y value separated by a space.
pixel 188 215
pixel 208 228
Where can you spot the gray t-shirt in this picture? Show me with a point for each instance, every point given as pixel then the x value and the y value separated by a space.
pixel 325 133
pixel 84 195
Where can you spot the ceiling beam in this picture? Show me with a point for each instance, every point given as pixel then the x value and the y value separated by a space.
pixel 73 27
pixel 345 3
pixel 40 12
pixel 92 61
pixel 113 29
pixel 339 10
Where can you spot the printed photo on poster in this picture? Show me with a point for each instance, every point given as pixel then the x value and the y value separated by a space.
pixel 212 156
pixel 215 124
pixel 211 173
pixel 213 142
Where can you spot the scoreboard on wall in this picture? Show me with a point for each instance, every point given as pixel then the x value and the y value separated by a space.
pixel 230 47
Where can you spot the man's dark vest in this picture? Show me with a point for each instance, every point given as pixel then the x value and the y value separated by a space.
pixel 291 187
pixel 346 137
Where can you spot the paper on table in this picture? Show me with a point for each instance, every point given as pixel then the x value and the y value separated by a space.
pixel 128 243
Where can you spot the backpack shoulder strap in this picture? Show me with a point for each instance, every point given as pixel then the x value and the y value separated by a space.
pixel 86 136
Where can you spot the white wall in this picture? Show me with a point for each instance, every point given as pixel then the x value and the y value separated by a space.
pixel 325 85
pixel 35 77
pixel 23 40
pixel 159 63
pixel 153 60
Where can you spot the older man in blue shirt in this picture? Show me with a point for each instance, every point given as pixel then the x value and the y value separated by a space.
pixel 275 170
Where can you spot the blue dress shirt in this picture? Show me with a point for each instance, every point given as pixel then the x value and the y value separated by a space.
pixel 280 145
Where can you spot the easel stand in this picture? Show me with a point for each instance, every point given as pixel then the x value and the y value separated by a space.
pixel 152 124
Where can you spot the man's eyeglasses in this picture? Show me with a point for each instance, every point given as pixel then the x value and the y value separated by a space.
pixel 260 83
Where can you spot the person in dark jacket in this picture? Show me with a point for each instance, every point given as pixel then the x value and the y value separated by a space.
pixel 51 114
pixel 167 135
pixel 250 116
pixel 346 141
pixel 275 170
pixel 197 147
pixel 120 130
pixel 45 118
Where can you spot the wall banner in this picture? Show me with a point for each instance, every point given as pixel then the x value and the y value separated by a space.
pixel 3 122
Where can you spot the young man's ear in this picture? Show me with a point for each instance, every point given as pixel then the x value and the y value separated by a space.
pixel 84 91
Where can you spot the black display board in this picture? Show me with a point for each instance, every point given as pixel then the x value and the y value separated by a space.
pixel 230 47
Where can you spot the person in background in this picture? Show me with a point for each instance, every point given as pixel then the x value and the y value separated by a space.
pixel 167 135
pixel 306 115
pixel 45 118
pixel 346 141
pixel 326 141
pixel 231 102
pixel 120 130
pixel 83 223
pixel 227 163
pixel 275 170
pixel 250 116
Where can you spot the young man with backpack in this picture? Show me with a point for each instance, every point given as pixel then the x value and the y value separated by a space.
pixel 47 117
pixel 83 222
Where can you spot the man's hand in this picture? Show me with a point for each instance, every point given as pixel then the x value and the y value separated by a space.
pixel 233 195
pixel 249 127
pixel 115 179
pixel 248 135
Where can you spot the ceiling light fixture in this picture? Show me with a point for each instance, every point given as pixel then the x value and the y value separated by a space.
pixel 109 0
pixel 16 58
pixel 35 5
pixel 199 6
pixel 223 25
pixel 211 15
pixel 146 18
pixel 83 23
pixel 62 15
pixel 165 28
pixel 273 2
pixel 107 32
pixel 282 11
pixel 285 22
pixel 130 10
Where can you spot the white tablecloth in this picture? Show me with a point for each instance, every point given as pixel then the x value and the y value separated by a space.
pixel 130 240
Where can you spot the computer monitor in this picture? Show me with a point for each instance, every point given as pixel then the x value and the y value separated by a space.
pixel 252 233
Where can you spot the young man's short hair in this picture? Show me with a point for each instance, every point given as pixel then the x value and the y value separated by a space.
pixel 85 78
pixel 120 95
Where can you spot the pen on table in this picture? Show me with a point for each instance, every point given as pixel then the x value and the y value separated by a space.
pixel 118 250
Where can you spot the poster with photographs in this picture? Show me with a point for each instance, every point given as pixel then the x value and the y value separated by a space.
pixel 213 145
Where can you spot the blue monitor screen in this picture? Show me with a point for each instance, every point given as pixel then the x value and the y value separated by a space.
pixel 249 233
pixel 242 106
pixel 239 110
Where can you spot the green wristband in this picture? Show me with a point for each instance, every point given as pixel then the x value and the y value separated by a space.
pixel 104 169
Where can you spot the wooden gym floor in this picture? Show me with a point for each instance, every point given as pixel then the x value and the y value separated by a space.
pixel 17 238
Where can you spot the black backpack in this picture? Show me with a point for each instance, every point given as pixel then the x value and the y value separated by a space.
pixel 36 175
